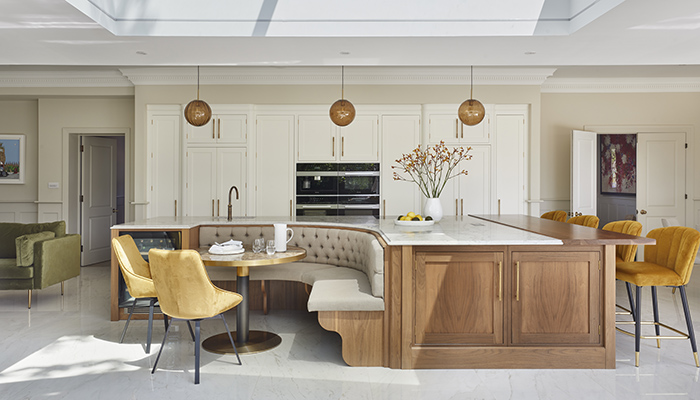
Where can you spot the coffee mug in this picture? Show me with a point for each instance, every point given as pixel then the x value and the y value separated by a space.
pixel 281 236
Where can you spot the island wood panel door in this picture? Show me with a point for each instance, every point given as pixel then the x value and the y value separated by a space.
pixel 274 165
pixel 555 298
pixel 231 171
pixel 584 182
pixel 201 182
pixel 317 139
pixel 400 135
pixel 359 141
pixel 458 298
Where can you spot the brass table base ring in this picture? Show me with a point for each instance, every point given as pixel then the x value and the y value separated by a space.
pixel 258 341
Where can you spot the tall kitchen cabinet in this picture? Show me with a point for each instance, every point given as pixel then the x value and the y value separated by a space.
pixel 163 162
pixel 216 159
pixel 496 175
pixel 319 140
pixel 400 135
pixel 274 165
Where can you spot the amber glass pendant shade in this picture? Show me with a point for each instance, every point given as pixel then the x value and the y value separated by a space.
pixel 197 112
pixel 471 112
pixel 342 112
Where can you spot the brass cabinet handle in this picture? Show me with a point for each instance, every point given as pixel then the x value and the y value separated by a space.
pixel 384 207
pixel 333 147
pixel 212 207
pixel 462 131
pixel 217 207
pixel 499 206
pixel 457 128
pixel 461 207
pixel 176 208
pixel 500 281
pixel 290 208
pixel 213 129
pixel 517 281
pixel 219 129
pixel 342 146
pixel 456 206
pixel 643 212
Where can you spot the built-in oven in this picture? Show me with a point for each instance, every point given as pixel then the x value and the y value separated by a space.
pixel 337 189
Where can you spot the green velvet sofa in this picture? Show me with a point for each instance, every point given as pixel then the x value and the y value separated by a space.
pixel 35 256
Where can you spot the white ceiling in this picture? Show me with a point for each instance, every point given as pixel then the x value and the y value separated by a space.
pixel 660 38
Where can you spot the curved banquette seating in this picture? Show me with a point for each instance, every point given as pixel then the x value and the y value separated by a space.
pixel 344 267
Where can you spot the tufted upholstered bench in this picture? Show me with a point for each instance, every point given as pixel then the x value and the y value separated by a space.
pixel 344 267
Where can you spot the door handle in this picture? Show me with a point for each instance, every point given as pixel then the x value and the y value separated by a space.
pixel 176 208
pixel 212 207
pixel 517 281
pixel 342 146
pixel 114 211
pixel 384 208
pixel 218 131
pixel 213 129
pixel 333 147
pixel 461 208
pixel 643 212
pixel 457 128
pixel 217 207
pixel 500 280
pixel 456 206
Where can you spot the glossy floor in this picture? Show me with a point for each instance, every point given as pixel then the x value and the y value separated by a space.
pixel 65 347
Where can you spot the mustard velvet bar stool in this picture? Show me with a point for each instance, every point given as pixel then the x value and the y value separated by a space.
pixel 137 276
pixel 185 292
pixel 667 263
pixel 627 252
pixel 590 221
pixel 555 216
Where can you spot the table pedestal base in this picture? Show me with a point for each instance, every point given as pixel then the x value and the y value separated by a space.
pixel 258 341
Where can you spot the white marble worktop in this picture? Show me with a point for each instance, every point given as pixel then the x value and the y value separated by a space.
pixel 450 230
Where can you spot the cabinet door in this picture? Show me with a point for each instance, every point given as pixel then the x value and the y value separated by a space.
pixel 510 162
pixel 443 127
pixel 359 141
pixel 475 187
pixel 274 182
pixel 478 133
pixel 231 128
pixel 449 198
pixel 400 135
pixel 201 134
pixel 231 171
pixel 555 298
pixel 317 139
pixel 164 148
pixel 459 298
pixel 201 182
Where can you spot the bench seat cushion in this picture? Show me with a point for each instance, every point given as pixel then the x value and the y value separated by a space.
pixel 280 272
pixel 341 289
pixel 10 270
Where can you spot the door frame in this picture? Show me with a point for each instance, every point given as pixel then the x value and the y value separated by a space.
pixel 71 155
pixel 689 159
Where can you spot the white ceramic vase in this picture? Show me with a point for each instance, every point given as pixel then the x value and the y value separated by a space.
pixel 433 208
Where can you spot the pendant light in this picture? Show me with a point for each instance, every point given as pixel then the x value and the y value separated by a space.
pixel 342 111
pixel 471 112
pixel 198 112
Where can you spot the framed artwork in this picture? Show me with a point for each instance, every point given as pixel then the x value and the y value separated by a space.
pixel 12 163
pixel 618 164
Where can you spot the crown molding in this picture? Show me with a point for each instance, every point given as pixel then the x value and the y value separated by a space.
pixel 620 85
pixel 78 78
pixel 332 76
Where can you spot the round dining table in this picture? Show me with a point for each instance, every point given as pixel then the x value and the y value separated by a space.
pixel 247 341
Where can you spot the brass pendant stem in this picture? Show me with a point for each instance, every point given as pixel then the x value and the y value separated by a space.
pixel 342 82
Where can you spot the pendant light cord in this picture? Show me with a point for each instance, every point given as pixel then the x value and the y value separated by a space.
pixel 471 83
pixel 342 82
pixel 198 82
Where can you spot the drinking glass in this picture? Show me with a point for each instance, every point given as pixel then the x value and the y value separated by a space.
pixel 270 247
pixel 258 245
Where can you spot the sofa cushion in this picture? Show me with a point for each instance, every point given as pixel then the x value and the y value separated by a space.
pixel 10 270
pixel 341 289
pixel 9 231
pixel 25 246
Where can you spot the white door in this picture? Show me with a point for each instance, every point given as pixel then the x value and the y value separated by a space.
pixel 274 164
pixel 231 171
pixel 231 128
pixel 510 163
pixel 400 135
pixel 164 148
pixel 475 187
pixel 200 188
pixel 444 127
pixel 99 197
pixel 660 179
pixel 317 139
pixel 584 186
pixel 359 141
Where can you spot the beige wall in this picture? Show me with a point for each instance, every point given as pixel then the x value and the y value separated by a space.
pixel 563 112
pixel 20 117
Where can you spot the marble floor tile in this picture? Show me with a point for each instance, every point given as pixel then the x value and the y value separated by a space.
pixel 65 347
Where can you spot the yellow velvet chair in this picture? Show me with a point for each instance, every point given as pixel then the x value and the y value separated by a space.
pixel 590 221
pixel 625 253
pixel 185 292
pixel 555 216
pixel 667 263
pixel 137 276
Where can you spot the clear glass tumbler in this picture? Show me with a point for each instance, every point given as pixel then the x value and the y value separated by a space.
pixel 270 247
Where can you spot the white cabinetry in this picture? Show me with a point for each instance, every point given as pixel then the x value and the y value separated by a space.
pixel 319 140
pixel 444 125
pixel 400 135
pixel 471 193
pixel 228 125
pixel 211 172
pixel 274 165
pixel 511 133
pixel 163 165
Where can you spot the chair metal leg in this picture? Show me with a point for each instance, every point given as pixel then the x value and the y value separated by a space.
pixel 655 305
pixel 631 299
pixel 131 312
pixel 190 328
pixel 150 324
pixel 165 337
pixel 29 305
pixel 62 286
pixel 165 321
pixel 231 338
pixel 196 351
pixel 689 323
pixel 638 326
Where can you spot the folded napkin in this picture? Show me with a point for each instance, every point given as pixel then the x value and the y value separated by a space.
pixel 229 243
pixel 228 249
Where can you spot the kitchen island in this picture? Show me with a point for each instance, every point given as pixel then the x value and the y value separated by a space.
pixel 471 292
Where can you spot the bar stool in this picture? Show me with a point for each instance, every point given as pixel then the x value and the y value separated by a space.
pixel 555 215
pixel 590 221
pixel 667 263
pixel 627 252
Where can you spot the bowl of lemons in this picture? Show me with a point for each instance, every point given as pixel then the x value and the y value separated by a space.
pixel 413 219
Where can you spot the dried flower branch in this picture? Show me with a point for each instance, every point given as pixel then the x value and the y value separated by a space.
pixel 431 168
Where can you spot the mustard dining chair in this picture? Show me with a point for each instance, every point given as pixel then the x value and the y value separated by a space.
pixel 667 263
pixel 555 215
pixel 137 275
pixel 625 252
pixel 185 292
pixel 590 221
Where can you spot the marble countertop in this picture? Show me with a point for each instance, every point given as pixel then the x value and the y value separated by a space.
pixel 451 230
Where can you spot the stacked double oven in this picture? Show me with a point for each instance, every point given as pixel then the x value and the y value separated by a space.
pixel 337 189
